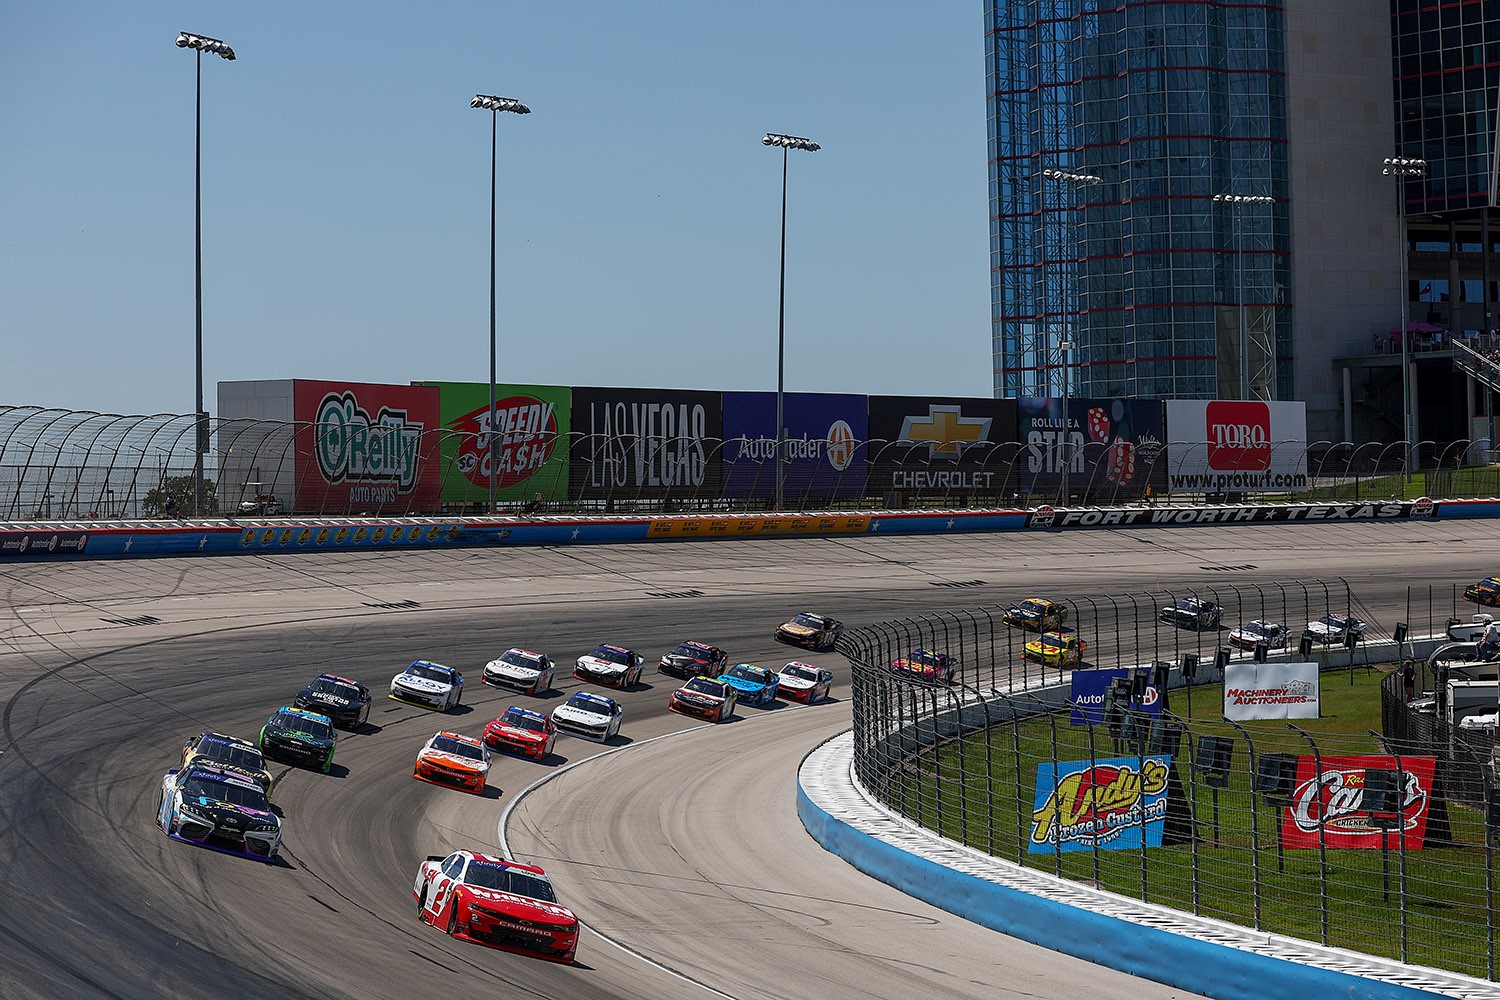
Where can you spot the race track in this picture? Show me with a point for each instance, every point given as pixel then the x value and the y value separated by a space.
pixel 685 850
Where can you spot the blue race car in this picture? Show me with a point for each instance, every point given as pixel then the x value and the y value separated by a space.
pixel 754 685
pixel 218 809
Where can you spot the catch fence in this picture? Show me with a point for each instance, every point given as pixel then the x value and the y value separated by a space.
pixel 1328 829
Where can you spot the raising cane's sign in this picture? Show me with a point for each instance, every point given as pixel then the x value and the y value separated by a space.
pixel 1331 795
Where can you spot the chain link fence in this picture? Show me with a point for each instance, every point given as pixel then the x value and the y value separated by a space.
pixel 1370 827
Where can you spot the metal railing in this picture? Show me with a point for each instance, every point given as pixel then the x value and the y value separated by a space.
pixel 1279 825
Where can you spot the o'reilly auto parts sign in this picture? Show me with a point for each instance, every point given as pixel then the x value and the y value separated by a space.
pixel 1236 446
pixel 367 447
pixel 645 443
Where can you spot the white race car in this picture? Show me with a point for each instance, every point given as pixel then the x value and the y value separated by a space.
pixel 592 716
pixel 804 682
pixel 1332 629
pixel 428 685
pixel 614 666
pixel 520 670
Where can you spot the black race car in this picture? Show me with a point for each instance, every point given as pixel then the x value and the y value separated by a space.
pixel 1192 613
pixel 297 736
pixel 810 631
pixel 691 659
pixel 345 701
pixel 1485 593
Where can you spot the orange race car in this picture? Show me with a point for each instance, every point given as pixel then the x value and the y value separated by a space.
pixel 454 760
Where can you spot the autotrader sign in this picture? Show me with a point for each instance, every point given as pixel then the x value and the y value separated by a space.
pixel 825 444
pixel 1236 446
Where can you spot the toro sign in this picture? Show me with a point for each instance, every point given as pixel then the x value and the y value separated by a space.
pixel 1239 436
pixel 1236 446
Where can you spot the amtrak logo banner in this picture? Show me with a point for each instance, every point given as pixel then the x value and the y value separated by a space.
pixel 942 445
pixel 825 454
pixel 645 443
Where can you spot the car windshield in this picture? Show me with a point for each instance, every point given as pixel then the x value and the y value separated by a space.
pixel 204 787
pixel 430 671
pixel 303 724
pixel 1033 608
pixel 613 654
pixel 516 658
pixel 928 658
pixel 503 879
pixel 584 703
pixel 1188 604
pixel 746 672
pixel 808 621
pixel 703 685
pixel 340 689
pixel 1260 628
pixel 803 673
pixel 458 748
pixel 689 649
pixel 233 754
pixel 1337 621
pixel 523 720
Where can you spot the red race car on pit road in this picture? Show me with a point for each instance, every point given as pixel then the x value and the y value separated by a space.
pixel 497 902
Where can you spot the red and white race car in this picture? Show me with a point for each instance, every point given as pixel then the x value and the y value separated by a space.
pixel 497 902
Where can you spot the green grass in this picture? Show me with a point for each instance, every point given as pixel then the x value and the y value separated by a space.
pixel 979 790
pixel 1478 481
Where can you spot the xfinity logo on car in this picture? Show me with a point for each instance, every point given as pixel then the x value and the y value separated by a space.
pixel 1238 436
pixel 350 446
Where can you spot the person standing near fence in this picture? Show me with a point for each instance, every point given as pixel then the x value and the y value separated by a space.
pixel 1409 678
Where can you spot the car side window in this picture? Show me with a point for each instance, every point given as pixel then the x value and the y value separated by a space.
pixel 453 866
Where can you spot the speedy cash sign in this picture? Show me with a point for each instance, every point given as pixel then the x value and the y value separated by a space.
pixel 1335 800
pixel 364 446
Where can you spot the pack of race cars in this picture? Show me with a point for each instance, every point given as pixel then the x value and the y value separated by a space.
pixel 219 794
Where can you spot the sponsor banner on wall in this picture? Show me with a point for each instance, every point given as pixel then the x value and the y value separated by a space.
pixel 1088 690
pixel 1048 517
pixel 825 444
pixel 1111 447
pixel 753 527
pixel 1270 691
pixel 39 544
pixel 1111 805
pixel 645 443
pixel 925 444
pixel 365 447
pixel 531 424
pixel 1336 803
pixel 1236 446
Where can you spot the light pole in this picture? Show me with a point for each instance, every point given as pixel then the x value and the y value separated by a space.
pixel 1237 201
pixel 1402 167
pixel 1065 344
pixel 494 105
pixel 787 144
pixel 199 44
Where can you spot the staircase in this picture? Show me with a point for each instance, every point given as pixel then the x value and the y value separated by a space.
pixel 1484 368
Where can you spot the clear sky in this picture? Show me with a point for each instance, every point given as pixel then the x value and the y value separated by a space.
pixel 346 196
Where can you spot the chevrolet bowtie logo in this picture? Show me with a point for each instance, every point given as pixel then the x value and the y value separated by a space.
pixel 945 431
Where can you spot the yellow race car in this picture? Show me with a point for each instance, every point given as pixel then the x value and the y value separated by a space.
pixel 1036 614
pixel 1054 649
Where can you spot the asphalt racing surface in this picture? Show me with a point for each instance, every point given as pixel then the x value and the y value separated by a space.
pixel 680 847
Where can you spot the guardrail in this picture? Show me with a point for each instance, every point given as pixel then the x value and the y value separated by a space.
pixel 1275 825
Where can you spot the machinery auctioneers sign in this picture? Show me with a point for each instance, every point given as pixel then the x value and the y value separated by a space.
pixel 1236 446
pixel 1270 691
pixel 1329 794
pixel 1111 805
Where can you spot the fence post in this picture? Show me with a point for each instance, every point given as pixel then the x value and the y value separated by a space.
pixel 1322 836
pixel 1254 825
pixel 1395 751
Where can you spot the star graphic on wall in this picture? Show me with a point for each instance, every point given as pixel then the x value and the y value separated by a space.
pixel 575 534
pixel 950 522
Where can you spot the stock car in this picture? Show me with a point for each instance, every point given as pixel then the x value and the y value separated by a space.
pixel 613 666
pixel 809 631
pixel 706 698
pixel 520 670
pixel 752 685
pixel 926 665
pixel 1485 593
pixel 296 736
pixel 1036 614
pixel 589 715
pixel 520 730
pixel 1331 629
pixel 345 701
pixel 428 685
pixel 212 807
pixel 1251 634
pixel 1192 613
pixel 690 659
pixel 1056 649
pixel 231 754
pixel 803 682
pixel 497 902
pixel 454 760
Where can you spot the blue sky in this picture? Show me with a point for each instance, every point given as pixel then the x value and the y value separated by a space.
pixel 346 196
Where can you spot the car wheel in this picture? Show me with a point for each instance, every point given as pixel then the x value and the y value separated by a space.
pixel 452 917
pixel 422 903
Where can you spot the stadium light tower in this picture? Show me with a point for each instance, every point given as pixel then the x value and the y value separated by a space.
pixel 1401 168
pixel 1240 203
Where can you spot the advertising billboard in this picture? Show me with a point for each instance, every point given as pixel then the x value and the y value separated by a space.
pixel 1339 805
pixel 1236 446
pixel 1111 805
pixel 531 424
pixel 1270 691
pixel 1113 448
pixel 645 444
pixel 364 447
pixel 825 452
pixel 942 445
pixel 1088 690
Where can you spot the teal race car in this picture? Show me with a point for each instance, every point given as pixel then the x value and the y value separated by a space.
pixel 754 685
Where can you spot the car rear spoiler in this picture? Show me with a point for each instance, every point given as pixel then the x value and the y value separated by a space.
pixel 436 857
